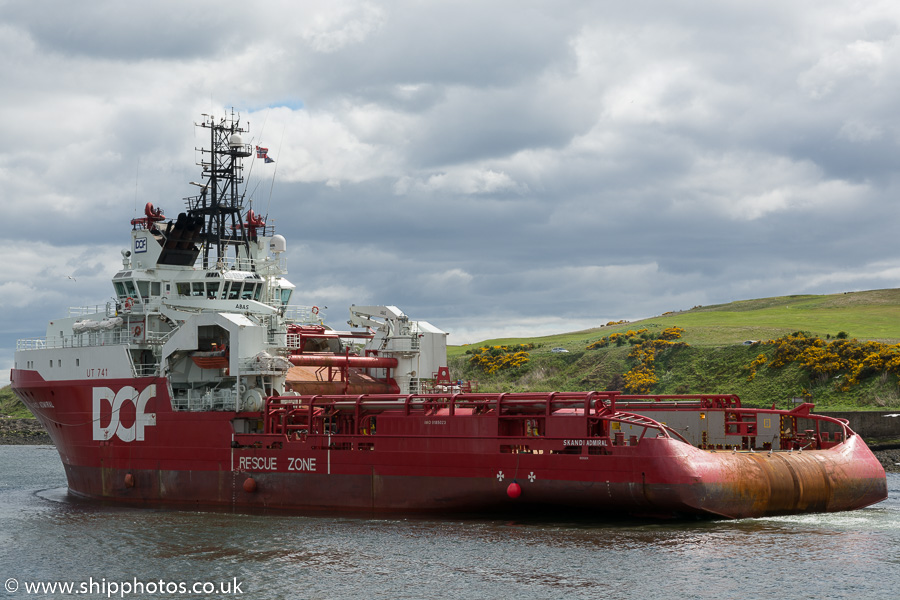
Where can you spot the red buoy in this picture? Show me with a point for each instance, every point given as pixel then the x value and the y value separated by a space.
pixel 514 490
pixel 249 485
pixel 129 480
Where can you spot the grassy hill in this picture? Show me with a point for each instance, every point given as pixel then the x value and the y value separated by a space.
pixel 10 406
pixel 716 359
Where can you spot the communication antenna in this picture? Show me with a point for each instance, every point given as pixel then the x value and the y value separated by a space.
pixel 253 143
pixel 137 174
pixel 274 171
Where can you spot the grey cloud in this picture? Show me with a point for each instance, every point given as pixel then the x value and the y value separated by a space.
pixel 111 30
pixel 485 166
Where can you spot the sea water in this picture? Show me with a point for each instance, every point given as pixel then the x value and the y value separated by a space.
pixel 52 545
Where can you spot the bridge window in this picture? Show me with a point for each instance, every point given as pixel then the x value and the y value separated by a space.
pixel 130 290
pixel 248 291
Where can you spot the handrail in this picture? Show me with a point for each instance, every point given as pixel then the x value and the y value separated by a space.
pixel 590 406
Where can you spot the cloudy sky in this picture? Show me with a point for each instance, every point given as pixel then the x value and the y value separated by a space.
pixel 494 167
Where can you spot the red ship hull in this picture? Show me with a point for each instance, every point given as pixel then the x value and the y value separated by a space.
pixel 430 460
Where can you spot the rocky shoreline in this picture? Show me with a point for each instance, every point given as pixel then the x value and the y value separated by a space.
pixel 889 457
pixel 21 432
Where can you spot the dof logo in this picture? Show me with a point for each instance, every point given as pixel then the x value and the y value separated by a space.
pixel 115 401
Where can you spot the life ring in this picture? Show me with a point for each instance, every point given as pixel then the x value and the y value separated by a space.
pixel 129 302
pixel 137 330
pixel 315 310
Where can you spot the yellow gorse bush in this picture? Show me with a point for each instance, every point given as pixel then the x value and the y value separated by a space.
pixel 619 339
pixel 496 358
pixel 756 364
pixel 642 377
pixel 671 333
pixel 823 360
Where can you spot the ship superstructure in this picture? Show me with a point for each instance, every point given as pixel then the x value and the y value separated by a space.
pixel 202 301
pixel 199 382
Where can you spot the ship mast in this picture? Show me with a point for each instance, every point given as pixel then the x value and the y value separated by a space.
pixel 220 202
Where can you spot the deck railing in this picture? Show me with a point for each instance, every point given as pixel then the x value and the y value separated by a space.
pixel 529 414
pixel 207 400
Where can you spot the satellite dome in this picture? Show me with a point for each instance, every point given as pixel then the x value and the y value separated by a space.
pixel 237 146
pixel 277 244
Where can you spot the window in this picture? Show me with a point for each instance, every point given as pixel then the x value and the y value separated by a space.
pixel 120 289
pixel 257 291
pixel 184 289
pixel 247 293
pixel 130 290
pixel 285 296
pixel 144 289
pixel 197 289
pixel 235 290
pixel 154 288
pixel 212 290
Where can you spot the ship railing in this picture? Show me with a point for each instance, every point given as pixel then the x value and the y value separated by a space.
pixel 78 340
pixel 265 364
pixel 593 405
pixel 85 311
pixel 233 263
pixel 403 343
pixel 505 403
pixel 798 429
pixel 681 401
pixel 146 369
pixel 303 314
pixel 205 400
pixel 159 338
pixel 101 337
pixel 519 416
pixel 31 344
pixel 240 263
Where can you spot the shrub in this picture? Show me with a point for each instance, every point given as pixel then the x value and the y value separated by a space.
pixel 756 364
pixel 823 360
pixel 496 358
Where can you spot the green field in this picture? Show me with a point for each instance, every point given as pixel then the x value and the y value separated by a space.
pixel 717 357
pixel 872 315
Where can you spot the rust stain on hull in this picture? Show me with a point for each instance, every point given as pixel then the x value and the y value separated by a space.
pixel 755 484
